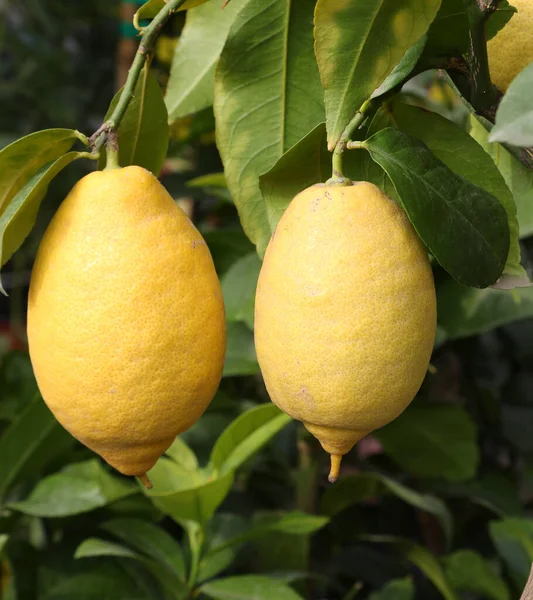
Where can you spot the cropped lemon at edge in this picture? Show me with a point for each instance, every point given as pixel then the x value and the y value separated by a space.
pixel 511 50
pixel 126 323
pixel 345 313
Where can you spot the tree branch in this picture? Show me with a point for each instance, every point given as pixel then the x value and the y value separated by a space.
pixel 527 594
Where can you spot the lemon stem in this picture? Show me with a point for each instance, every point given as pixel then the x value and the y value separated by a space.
pixel 340 147
pixel 145 480
pixel 111 159
pixel 335 467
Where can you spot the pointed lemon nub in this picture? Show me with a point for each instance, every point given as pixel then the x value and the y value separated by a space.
pixel 145 480
pixel 335 467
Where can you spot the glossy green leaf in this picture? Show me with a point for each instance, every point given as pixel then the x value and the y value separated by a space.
pixel 238 288
pixel 469 572
pixel 518 177
pixel 143 133
pixel 152 541
pixel 397 589
pixel 463 226
pixel 465 157
pixel 306 163
pixel 183 498
pixel 191 86
pixel 180 453
pixel 514 119
pixel 358 44
pixel 247 435
pixel 21 159
pixel 463 311
pixel 513 538
pixel 80 488
pixel 403 69
pixel 265 75
pixel 432 441
pixel 367 485
pixel 92 547
pixel 33 440
pixel 248 587
pixel 241 358
pixel 20 215
pixel 152 7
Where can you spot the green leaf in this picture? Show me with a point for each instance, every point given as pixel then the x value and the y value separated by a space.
pixel 227 246
pixel 403 69
pixel 465 157
pixel 397 589
pixel 143 133
pixel 191 85
pixel 184 499
pixel 266 74
pixel 20 215
pixel 513 538
pixel 463 311
pixel 21 159
pixel 514 119
pixel 432 441
pixel 240 351
pixel 180 453
pixel 358 44
pixel 152 541
pixel 464 226
pixel 3 541
pixel 306 163
pixel 518 177
pixel 92 547
pixel 81 487
pixel 238 288
pixel 468 571
pixel 423 559
pixel 246 435
pixel 355 488
pixel 209 180
pixel 152 7
pixel 248 587
pixel 31 442
pixel 103 582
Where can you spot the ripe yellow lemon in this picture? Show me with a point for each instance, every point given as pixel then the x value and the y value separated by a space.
pixel 512 49
pixel 126 322
pixel 345 313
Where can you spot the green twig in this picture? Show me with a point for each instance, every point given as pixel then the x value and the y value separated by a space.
pixel 338 153
pixel 196 543
pixel 146 45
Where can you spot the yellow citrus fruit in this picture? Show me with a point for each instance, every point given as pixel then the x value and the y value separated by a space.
pixel 512 48
pixel 345 313
pixel 126 322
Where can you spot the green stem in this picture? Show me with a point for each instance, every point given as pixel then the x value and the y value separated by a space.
pixel 482 93
pixel 196 542
pixel 338 153
pixel 145 47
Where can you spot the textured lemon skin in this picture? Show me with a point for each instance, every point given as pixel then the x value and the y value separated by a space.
pixel 126 322
pixel 345 313
pixel 511 50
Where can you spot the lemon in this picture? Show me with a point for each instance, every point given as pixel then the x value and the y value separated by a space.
pixel 512 48
pixel 345 313
pixel 126 322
